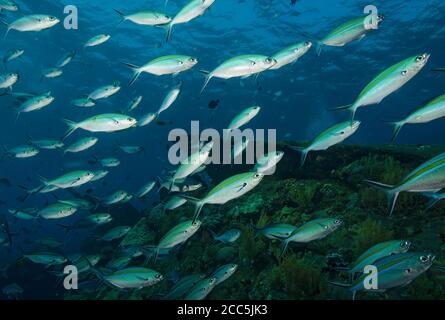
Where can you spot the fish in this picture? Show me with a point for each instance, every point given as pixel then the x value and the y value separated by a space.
pixel 119 263
pixel 278 231
pixel 178 235
pixel 240 66
pixel 57 210
pixel 387 82
pixel 224 272
pixel 268 162
pixel 47 258
pixel 114 198
pixel 8 80
pixel 108 122
pixel 174 203
pixel 229 236
pixel 244 117
pixel 428 177
pixel 355 29
pixel 202 289
pixel 131 278
pixel 99 174
pixel 146 119
pixel 81 145
pixel 97 40
pixel 90 221
pixel 105 91
pixel 24 214
pixel 238 149
pixel 78 203
pixel 190 11
pixel 47 144
pixel 115 233
pixel 131 149
pixel 291 54
pixel 35 103
pixel 145 18
pixel 22 152
pixel 183 285
pixel 145 189
pixel 231 188
pixel 192 163
pixel 69 180
pixel 52 73
pixel 170 98
pixel 83 102
pixel 12 54
pixel 66 59
pixel 393 271
pixel 313 230
pixel 377 252
pixel 165 65
pixel 31 23
pixel 332 136
pixel 109 162
pixel 8 5
pixel 134 103
pixel 433 110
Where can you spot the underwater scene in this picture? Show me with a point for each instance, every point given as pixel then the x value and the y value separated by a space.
pixel 222 150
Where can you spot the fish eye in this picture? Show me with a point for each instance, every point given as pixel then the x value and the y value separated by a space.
pixel 420 58
pixel 404 72
pixel 307 43
pixel 424 258
pixel 337 221
pixel 269 60
pixel 192 59
pixel 409 270
pixel 405 244
pixel 158 276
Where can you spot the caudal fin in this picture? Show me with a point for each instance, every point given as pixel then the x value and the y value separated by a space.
pixel 208 77
pixel 198 205
pixel 350 107
pixel 389 190
pixel 319 48
pixel 7 26
pixel 398 125
pixel 169 28
pixel 136 69
pixel 72 126
pixel 304 152
pixel 122 15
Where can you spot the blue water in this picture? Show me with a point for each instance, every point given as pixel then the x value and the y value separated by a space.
pixel 308 88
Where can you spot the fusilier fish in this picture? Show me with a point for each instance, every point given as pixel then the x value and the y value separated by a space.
pixel 57 210
pixel 115 233
pixel 393 271
pixel 174 203
pixel 8 80
pixel 145 189
pixel 22 152
pixel 433 110
pixel 81 145
pixel 170 98
pixel 229 236
pixel 35 103
pixel 70 180
pixel 183 285
pixel 145 18
pixel 267 163
pixel 46 258
pixel 47 144
pixel 240 66
pixel 114 198
pixel 279 231
pixel 428 177
pixel 190 11
pixel 290 54
pixel 231 188
pixel 109 162
pixel 34 22
pixel 83 102
pixel 8 5
pixel 147 119
pixel 109 122
pixel 12 54
pixel 352 30
pixel 131 278
pixel 224 272
pixel 131 149
pixel 97 40
pixel 134 103
pixel 52 73
pixel 99 174
pixel 329 138
pixel 105 91
pixel 173 64
pixel 313 230
pixel 389 81
pixel 202 289
pixel 66 59
pixel 244 117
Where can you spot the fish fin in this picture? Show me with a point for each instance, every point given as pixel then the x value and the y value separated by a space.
pixel 434 200
pixel 256 229
pixel 169 28
pixel 350 107
pixel 284 247
pixel 389 190
pixel 136 70
pixel 212 233
pixel 438 69
pixel 304 152
pixel 208 77
pixel 72 127
pixel 8 27
pixel 198 205
pixel 121 15
pixel 398 125
pixel 319 48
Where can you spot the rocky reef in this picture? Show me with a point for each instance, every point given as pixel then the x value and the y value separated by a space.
pixel 329 185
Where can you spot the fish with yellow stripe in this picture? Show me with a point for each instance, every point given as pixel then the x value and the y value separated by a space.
pixel 428 177
pixel 393 271
pixel 389 81
pixel 433 110
pixel 231 188
pixel 378 252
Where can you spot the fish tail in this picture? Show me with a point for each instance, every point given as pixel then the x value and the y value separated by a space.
pixel 304 152
pixel 319 48
pixel 256 230
pixel 169 28
pixel 398 125
pixel 208 77
pixel 122 15
pixel 72 126
pixel 212 233
pixel 350 107
pixel 136 69
pixel 391 193
pixel 198 205
pixel 284 247
pixel 165 4
pixel 434 199
pixel 7 26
